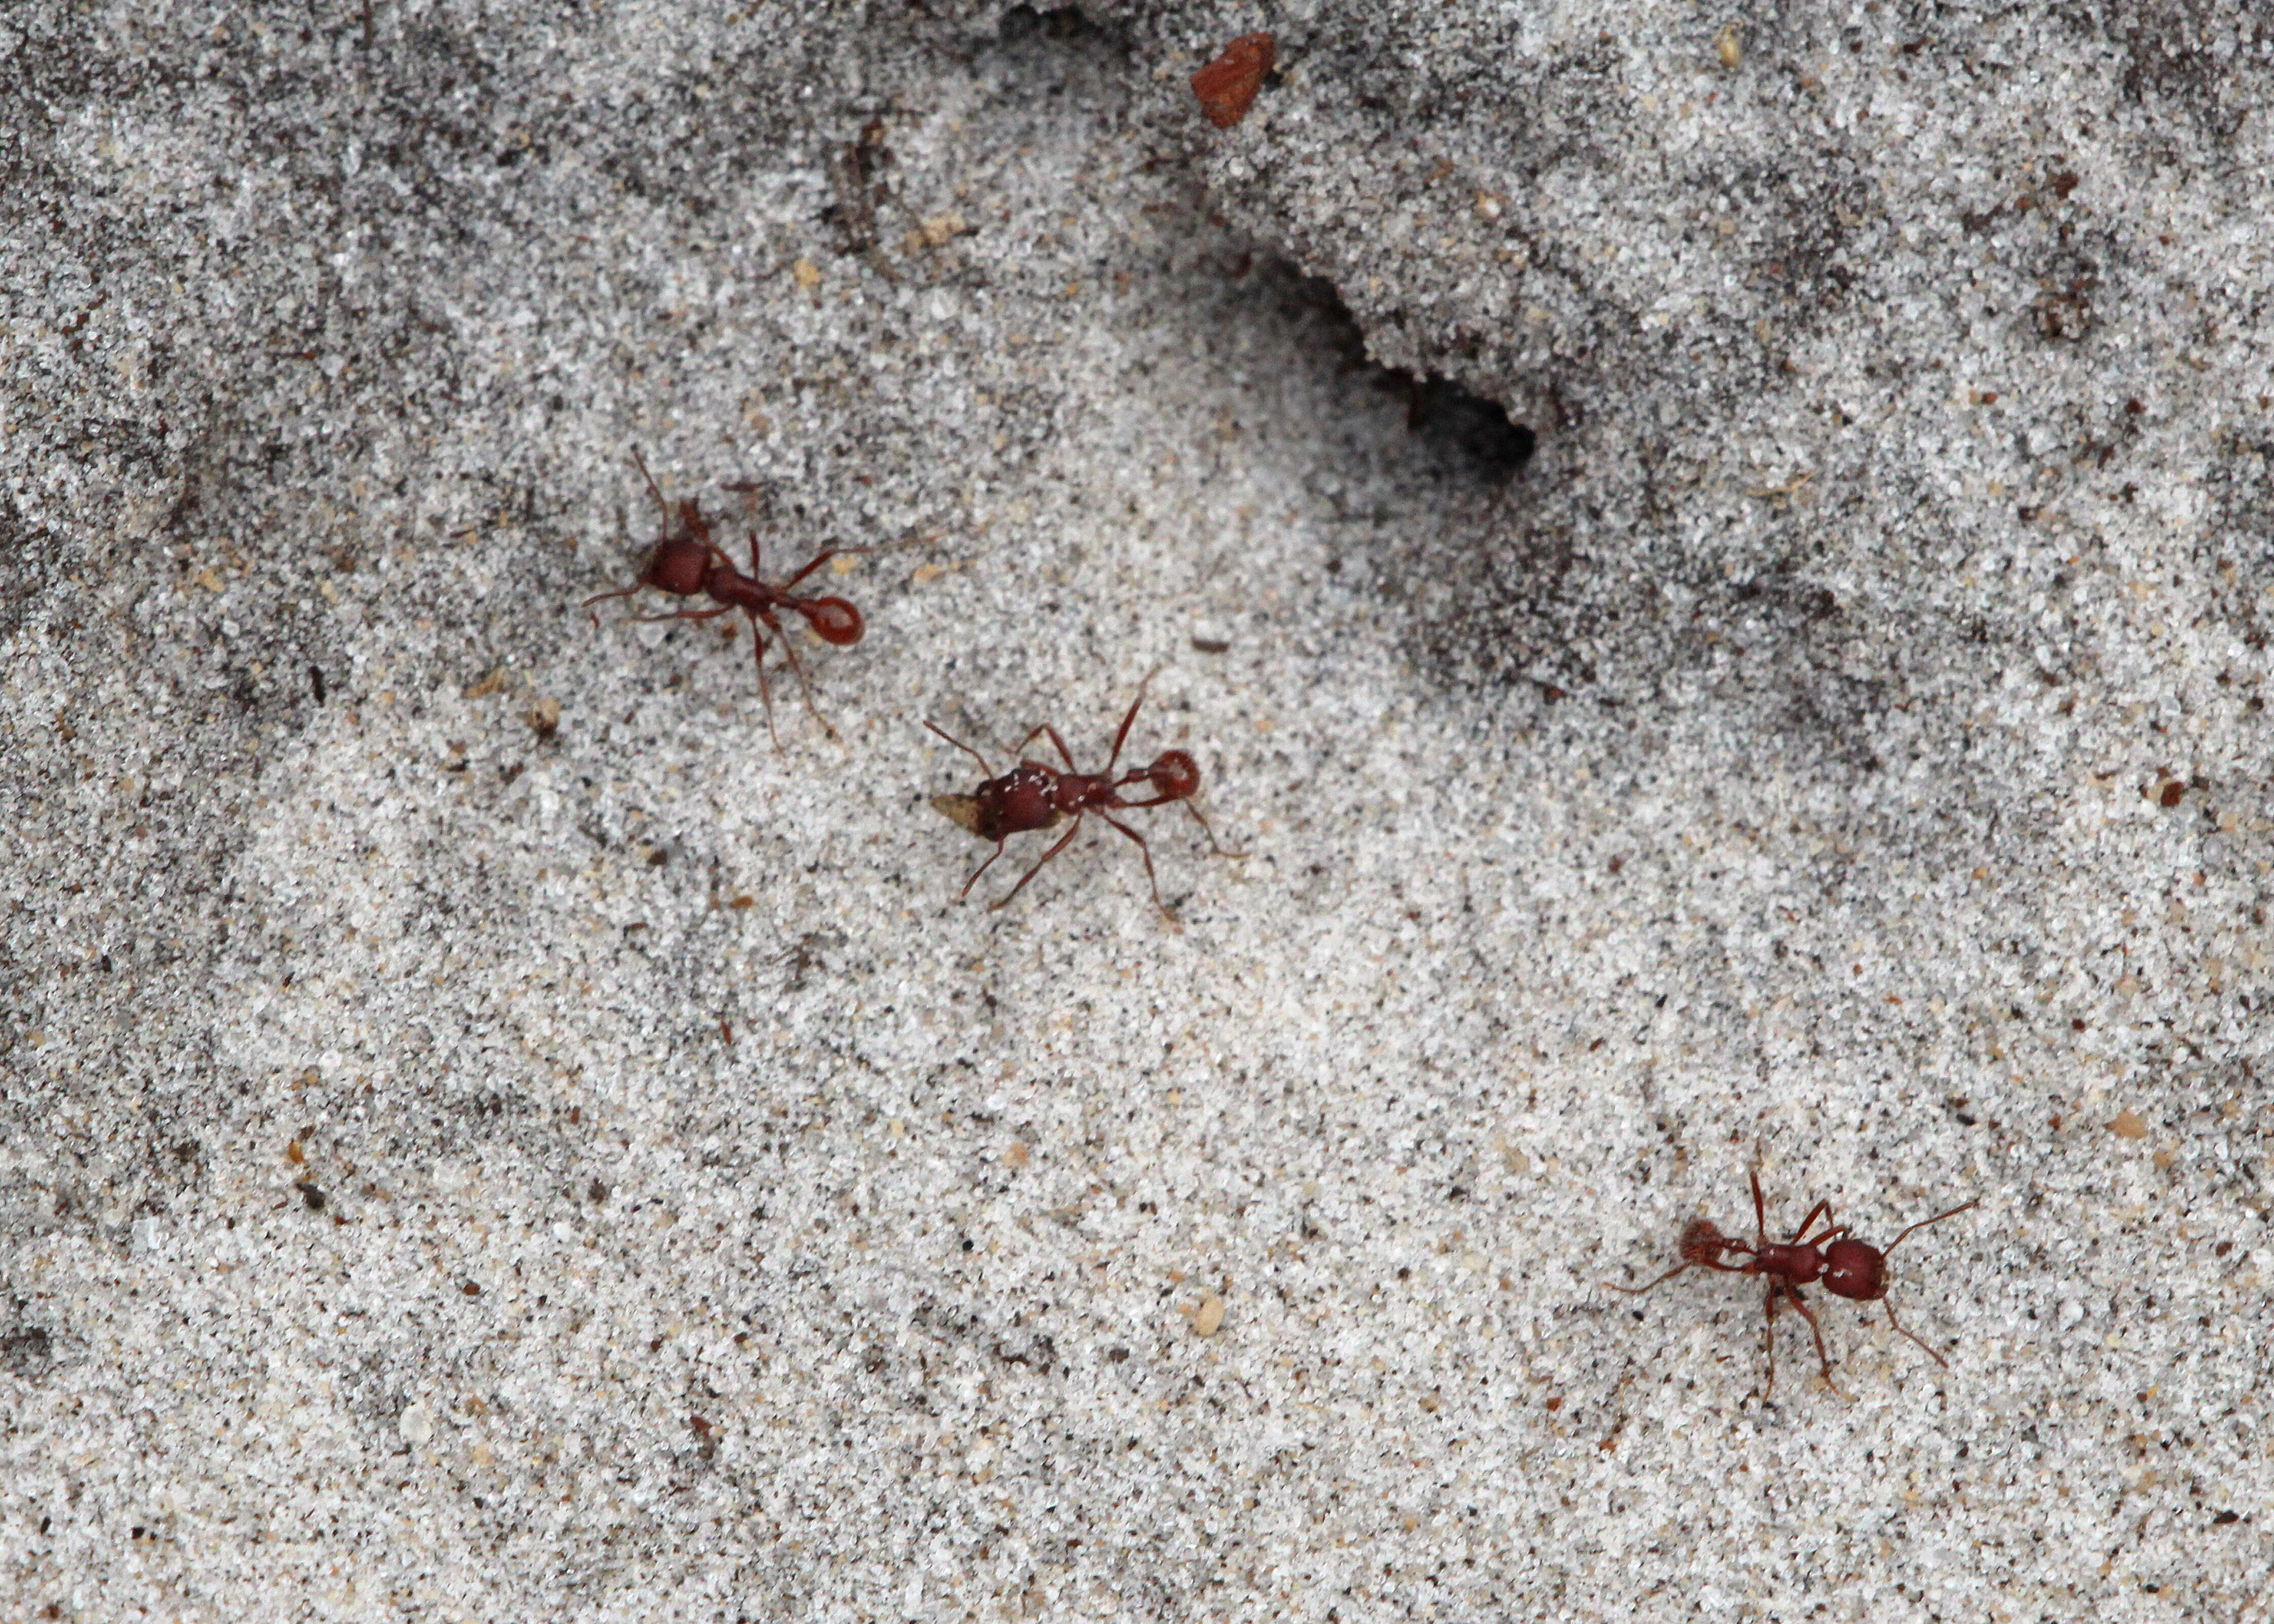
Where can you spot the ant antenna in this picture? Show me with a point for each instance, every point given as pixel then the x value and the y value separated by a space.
pixel 958 743
pixel 1122 737
pixel 654 490
pixel 1898 1325
pixel 1922 1224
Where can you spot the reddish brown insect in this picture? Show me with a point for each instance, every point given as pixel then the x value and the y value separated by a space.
pixel 1227 87
pixel 687 563
pixel 1032 795
pixel 1835 1258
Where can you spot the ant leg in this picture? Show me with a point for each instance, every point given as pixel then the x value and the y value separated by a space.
pixel 797 666
pixel 688 614
pixel 1836 1232
pixel 1821 1207
pixel 1186 800
pixel 975 755
pixel 1702 1246
pixel 1144 852
pixel 633 590
pixel 1679 1268
pixel 1063 839
pixel 765 688
pixel 1892 1321
pixel 1036 731
pixel 982 868
pixel 1210 833
pixel 1938 1218
pixel 1761 1210
pixel 1123 735
pixel 671 614
pixel 812 564
pixel 1823 1356
pixel 1771 1339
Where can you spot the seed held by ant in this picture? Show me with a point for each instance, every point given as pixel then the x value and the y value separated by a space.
pixel 687 563
pixel 1033 795
pixel 1834 1259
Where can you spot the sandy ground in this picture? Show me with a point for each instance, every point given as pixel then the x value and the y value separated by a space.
pixel 488 1136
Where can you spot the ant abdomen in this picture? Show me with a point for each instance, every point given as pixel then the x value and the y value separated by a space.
pixel 1026 798
pixel 1175 776
pixel 833 620
pixel 1702 1244
pixel 963 811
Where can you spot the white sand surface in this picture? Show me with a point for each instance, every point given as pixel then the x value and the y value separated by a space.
pixel 485 1135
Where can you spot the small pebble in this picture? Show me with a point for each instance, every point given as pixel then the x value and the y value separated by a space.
pixel 1227 87
pixel 415 1423
pixel 1209 1319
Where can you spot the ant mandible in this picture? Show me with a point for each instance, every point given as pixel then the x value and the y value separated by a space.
pixel 687 562
pixel 1032 795
pixel 1835 1258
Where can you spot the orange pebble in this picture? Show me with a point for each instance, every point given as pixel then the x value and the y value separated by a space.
pixel 1227 87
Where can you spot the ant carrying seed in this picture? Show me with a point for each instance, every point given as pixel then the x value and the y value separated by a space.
pixel 1032 795
pixel 687 563
pixel 1835 1258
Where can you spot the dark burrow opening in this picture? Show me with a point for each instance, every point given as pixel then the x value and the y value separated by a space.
pixel 1468 435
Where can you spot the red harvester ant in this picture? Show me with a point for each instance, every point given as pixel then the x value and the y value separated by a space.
pixel 687 563
pixel 1034 796
pixel 1843 1265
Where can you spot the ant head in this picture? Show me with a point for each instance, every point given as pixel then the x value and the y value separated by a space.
pixel 833 620
pixel 1024 798
pixel 1175 776
pixel 680 566
pixel 1855 1270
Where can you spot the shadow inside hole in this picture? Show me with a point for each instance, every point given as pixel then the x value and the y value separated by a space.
pixel 1464 428
pixel 1022 23
pixel 1470 435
